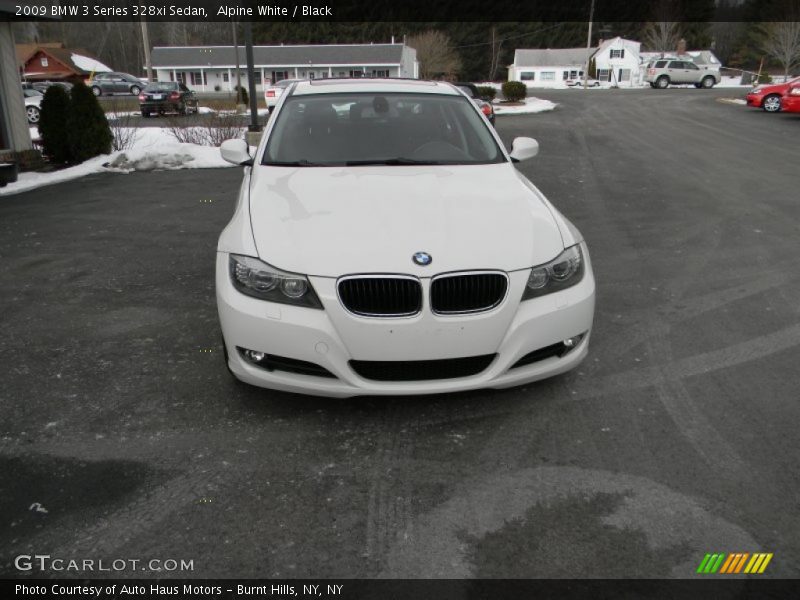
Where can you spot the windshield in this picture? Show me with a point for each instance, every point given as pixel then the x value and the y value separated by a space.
pixel 165 86
pixel 380 129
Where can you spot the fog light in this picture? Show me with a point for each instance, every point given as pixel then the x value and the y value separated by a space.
pixel 254 355
pixel 570 343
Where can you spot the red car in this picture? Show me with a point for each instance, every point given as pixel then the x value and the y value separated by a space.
pixel 791 99
pixel 768 96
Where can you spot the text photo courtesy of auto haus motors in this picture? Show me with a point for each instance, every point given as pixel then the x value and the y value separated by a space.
pixel 390 302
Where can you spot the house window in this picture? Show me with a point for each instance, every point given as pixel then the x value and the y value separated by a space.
pixel 257 77
pixel 624 75
pixel 225 78
pixel 565 75
pixel 44 61
pixel 312 74
pixel 196 77
pixel 180 77
pixel 384 73
pixel 604 74
pixel 618 53
pixel 356 73
pixel 279 76
pixel 548 75
pixel 528 76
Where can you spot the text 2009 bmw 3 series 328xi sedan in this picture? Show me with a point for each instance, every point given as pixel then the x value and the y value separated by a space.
pixel 384 243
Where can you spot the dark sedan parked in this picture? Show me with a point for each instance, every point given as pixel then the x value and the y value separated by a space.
pixel 471 90
pixel 115 83
pixel 167 96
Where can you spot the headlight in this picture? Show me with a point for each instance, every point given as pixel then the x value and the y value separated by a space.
pixel 559 274
pixel 258 279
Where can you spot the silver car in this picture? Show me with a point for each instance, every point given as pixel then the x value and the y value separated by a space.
pixel 116 83
pixel 667 71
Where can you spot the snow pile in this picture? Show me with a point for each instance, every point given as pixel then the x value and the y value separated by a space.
pixel 89 64
pixel 732 100
pixel 531 105
pixel 733 82
pixel 153 148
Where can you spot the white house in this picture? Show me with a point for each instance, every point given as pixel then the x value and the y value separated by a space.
pixel 616 60
pixel 550 67
pixel 213 68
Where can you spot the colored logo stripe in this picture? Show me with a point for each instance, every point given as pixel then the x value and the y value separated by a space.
pixel 734 563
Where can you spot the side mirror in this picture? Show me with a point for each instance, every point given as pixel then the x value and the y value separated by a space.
pixel 236 152
pixel 523 148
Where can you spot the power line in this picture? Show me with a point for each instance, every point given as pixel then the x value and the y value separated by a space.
pixel 511 37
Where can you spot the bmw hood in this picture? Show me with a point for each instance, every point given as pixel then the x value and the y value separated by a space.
pixel 333 221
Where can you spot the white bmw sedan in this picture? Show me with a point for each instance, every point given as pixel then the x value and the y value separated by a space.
pixel 384 243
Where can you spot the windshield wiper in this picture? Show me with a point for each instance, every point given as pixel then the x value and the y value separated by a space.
pixel 391 162
pixel 292 163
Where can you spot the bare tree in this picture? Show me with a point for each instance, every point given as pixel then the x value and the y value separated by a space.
pixel 662 36
pixel 782 42
pixel 437 58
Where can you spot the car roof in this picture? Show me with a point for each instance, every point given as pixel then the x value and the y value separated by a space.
pixel 370 85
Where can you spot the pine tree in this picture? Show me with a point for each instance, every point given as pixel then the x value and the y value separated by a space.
pixel 53 125
pixel 89 133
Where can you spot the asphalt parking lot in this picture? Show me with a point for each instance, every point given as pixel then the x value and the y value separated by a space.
pixel 676 437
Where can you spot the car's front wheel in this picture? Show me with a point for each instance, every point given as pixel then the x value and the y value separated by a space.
pixel 32 113
pixel 771 103
pixel 135 89
pixel 662 82
pixel 97 91
pixel 708 82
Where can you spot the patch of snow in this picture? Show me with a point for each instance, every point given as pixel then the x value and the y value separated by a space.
pixel 732 82
pixel 531 105
pixel 153 148
pixel 732 100
pixel 89 64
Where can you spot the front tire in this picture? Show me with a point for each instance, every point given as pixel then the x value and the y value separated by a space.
pixel 708 82
pixel 97 91
pixel 771 103
pixel 662 82
pixel 135 89
pixel 32 113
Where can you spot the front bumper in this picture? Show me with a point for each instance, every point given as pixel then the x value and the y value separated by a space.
pixel 754 100
pixel 332 337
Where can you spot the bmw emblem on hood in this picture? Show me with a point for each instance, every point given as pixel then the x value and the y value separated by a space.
pixel 423 259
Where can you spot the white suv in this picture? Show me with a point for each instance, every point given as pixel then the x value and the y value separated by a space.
pixel 665 72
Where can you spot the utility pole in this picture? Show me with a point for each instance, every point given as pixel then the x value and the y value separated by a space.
pixel 146 43
pixel 588 48
pixel 238 72
pixel 251 78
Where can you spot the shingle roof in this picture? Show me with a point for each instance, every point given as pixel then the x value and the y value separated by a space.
pixel 553 58
pixel 222 56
